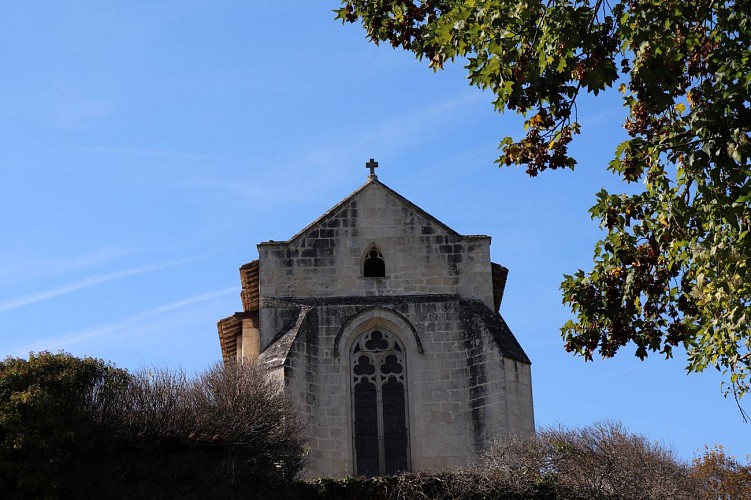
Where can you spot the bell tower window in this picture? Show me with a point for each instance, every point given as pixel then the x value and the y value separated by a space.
pixel 374 265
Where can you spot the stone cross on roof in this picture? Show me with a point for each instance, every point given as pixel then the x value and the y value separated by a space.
pixel 372 165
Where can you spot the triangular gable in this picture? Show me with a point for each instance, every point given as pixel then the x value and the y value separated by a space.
pixel 372 181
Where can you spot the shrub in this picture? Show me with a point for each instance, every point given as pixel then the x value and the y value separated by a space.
pixel 45 405
pixel 82 428
pixel 722 476
pixel 444 485
pixel 598 461
pixel 243 405
pixel 230 432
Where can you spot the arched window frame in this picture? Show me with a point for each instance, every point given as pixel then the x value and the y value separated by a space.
pixel 386 353
pixel 359 323
pixel 373 263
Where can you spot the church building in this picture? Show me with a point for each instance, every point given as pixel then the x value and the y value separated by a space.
pixel 384 325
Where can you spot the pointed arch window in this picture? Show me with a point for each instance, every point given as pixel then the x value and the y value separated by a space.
pixel 374 265
pixel 379 403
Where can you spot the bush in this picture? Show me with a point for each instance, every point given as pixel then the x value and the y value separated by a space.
pixel 445 485
pixel 599 461
pixel 45 406
pixel 722 476
pixel 81 428
pixel 243 405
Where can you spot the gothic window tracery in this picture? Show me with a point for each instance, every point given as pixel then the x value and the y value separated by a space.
pixel 374 265
pixel 379 404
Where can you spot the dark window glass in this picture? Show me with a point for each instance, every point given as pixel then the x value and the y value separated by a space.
pixel 366 429
pixel 379 405
pixel 374 266
pixel 394 427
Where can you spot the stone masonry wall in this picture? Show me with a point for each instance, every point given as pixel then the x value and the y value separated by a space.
pixel 467 378
pixel 422 256
pixel 456 396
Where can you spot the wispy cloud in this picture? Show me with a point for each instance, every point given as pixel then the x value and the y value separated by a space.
pixel 385 136
pixel 402 130
pixel 33 298
pixel 148 316
pixel 299 175
pixel 127 151
pixel 21 268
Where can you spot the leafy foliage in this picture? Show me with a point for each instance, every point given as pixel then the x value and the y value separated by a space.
pixel 83 428
pixel 44 422
pixel 672 269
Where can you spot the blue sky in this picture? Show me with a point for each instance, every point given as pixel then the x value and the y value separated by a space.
pixel 147 147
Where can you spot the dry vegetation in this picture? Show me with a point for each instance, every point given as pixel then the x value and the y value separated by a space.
pixel 602 461
pixel 599 461
pixel 81 428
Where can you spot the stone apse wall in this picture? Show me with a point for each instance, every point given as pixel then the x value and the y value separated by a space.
pixel 466 378
pixel 436 297
pixel 461 391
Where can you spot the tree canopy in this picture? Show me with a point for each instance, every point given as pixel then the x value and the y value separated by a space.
pixel 672 268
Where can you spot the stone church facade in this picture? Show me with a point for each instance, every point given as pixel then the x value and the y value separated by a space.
pixel 383 323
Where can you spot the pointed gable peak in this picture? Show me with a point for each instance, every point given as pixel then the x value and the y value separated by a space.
pixel 370 185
